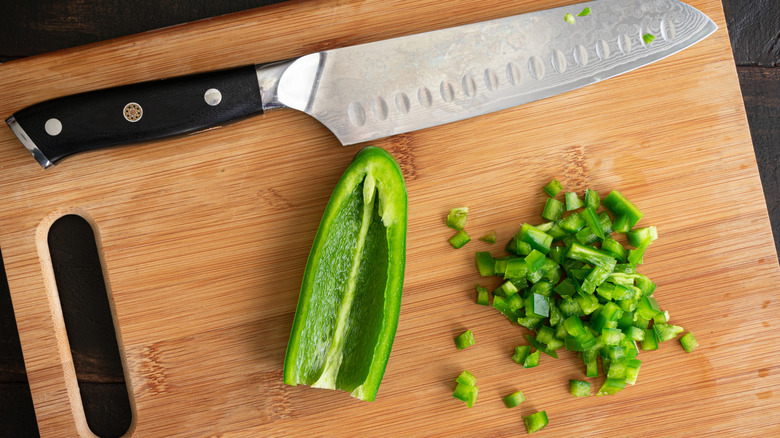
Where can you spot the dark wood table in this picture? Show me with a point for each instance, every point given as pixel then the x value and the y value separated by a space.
pixel 30 28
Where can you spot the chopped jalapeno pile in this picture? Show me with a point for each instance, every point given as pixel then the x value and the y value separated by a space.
pixel 571 281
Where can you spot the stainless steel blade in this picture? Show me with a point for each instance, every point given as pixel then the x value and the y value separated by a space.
pixel 389 87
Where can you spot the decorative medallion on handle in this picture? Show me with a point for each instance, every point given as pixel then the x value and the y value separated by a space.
pixel 133 112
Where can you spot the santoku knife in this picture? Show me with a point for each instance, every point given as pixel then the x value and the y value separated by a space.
pixel 379 89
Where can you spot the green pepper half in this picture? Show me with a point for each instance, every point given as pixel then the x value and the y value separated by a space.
pixel 350 297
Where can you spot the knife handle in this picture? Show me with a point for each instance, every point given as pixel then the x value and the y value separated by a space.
pixel 57 128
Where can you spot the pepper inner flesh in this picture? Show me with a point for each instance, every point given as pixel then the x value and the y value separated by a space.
pixel 348 292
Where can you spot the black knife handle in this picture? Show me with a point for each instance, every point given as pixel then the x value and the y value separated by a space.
pixel 139 112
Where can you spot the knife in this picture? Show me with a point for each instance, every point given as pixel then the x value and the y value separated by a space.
pixel 383 88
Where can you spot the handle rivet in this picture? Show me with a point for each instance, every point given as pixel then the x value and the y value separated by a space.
pixel 212 97
pixel 133 112
pixel 53 127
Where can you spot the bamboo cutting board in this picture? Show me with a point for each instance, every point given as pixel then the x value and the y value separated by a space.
pixel 204 240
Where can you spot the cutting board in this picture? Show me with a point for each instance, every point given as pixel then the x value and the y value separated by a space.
pixel 204 239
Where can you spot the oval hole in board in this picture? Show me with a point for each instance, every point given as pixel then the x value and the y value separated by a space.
pixel 89 324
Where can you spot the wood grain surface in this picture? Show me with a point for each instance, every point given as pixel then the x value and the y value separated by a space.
pixel 202 254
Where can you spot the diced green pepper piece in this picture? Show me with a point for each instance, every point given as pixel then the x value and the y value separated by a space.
pixel 572 223
pixel 514 399
pixel 500 304
pixel 557 254
pixel 533 277
pixel 606 222
pixel 535 260
pixel 506 289
pixel 489 237
pixel 499 265
pixel 586 236
pixel 553 187
pixel 632 370
pixel 613 352
pixel 532 360
pixel 644 284
pixel 665 332
pixel 582 343
pixel 569 306
pixel 611 311
pixel 483 296
pixel 485 263
pixel 557 232
pixel 634 333
pixel 585 12
pixel 611 386
pixel 611 336
pixel 661 318
pixel 543 288
pixel 593 220
pixel 518 247
pixel 537 305
pixel 588 303
pixel 521 352
pixel 551 272
pixel 638 235
pixel 348 307
pixel 613 248
pixel 516 268
pixel 598 322
pixel 459 239
pixel 530 322
pixel 456 219
pixel 553 209
pixel 617 369
pixel 573 201
pixel 556 317
pixel 464 340
pixel 635 256
pixel 648 38
pixel 541 347
pixel 688 342
pixel 647 307
pixel 514 302
pixel 591 255
pixel 545 227
pixel 545 334
pixel 462 391
pixel 649 342
pixel 466 378
pixel 619 205
pixel 592 199
pixel 539 240
pixel 596 276
pixel 579 388
pixel 567 287
pixel 569 18
pixel 591 357
pixel 466 393
pixel 535 422
pixel 620 224
pixel 574 327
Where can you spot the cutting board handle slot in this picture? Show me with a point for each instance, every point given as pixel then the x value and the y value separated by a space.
pixel 91 330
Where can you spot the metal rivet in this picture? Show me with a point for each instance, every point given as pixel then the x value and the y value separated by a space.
pixel 212 97
pixel 53 127
pixel 132 112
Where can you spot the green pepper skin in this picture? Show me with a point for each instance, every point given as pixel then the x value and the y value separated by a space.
pixel 350 298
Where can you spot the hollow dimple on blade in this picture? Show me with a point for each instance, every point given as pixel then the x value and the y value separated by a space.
pixel 399 85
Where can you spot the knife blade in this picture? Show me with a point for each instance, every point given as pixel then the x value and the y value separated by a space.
pixel 382 88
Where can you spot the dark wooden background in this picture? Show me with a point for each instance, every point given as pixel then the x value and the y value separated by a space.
pixel 29 28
